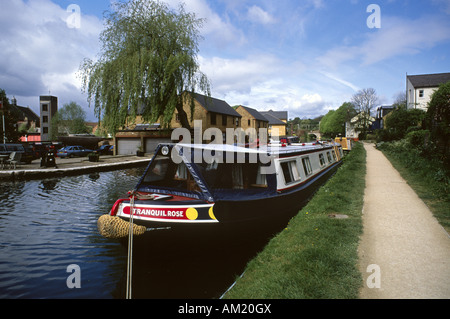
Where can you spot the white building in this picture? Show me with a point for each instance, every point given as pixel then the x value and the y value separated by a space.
pixel 355 125
pixel 419 88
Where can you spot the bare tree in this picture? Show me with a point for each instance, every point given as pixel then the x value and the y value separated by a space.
pixel 364 101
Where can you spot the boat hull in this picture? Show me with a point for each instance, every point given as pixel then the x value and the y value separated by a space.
pixel 230 219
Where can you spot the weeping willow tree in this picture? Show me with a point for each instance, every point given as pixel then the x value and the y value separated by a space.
pixel 148 59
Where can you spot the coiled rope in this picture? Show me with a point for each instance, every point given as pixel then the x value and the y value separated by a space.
pixel 115 227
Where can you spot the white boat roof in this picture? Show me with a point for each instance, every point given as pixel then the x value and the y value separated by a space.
pixel 271 149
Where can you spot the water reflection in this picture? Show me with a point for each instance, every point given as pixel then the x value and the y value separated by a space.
pixel 48 225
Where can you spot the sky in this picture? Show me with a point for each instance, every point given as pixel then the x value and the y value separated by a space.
pixel 302 56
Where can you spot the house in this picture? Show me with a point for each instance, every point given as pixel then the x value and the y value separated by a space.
pixel 277 120
pixel 380 116
pixel 26 116
pixel 354 126
pixel 251 118
pixel 212 112
pixel 419 88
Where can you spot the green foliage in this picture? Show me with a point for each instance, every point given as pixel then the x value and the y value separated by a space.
pixel 333 123
pixel 418 138
pixel 438 120
pixel 70 119
pixel 11 116
pixel 148 60
pixel 399 121
pixel 315 256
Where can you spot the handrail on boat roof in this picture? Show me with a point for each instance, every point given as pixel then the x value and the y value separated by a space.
pixel 266 149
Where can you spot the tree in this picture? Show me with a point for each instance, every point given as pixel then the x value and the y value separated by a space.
pixel 149 59
pixel 438 119
pixel 11 117
pixel 364 101
pixel 400 120
pixel 70 119
pixel 333 123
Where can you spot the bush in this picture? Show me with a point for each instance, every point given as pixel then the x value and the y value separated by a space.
pixel 419 138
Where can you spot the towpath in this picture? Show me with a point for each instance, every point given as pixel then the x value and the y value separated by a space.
pixel 404 252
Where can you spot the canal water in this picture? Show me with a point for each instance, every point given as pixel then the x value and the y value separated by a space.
pixel 47 226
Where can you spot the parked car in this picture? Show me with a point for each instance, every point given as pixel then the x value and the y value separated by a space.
pixel 73 151
pixel 105 150
pixel 25 150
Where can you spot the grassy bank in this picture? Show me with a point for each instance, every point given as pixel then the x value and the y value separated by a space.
pixel 316 255
pixel 427 176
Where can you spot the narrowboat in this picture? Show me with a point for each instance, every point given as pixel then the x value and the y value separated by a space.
pixel 209 188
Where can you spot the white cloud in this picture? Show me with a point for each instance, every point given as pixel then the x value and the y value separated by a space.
pixel 396 37
pixel 341 81
pixel 216 28
pixel 258 15
pixel 399 36
pixel 41 53
pixel 239 74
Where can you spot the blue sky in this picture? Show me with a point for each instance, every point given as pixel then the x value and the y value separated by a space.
pixel 302 56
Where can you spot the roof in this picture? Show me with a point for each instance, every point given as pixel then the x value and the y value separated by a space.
pixel 428 80
pixel 265 150
pixel 26 112
pixel 282 115
pixel 254 113
pixel 215 105
pixel 273 120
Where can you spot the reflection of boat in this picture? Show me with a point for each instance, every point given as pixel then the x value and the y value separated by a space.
pixel 193 188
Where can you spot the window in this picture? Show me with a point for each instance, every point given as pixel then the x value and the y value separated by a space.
pixel 165 173
pixel 322 160
pixel 224 120
pixel 233 176
pixel 45 107
pixel 420 93
pixel 248 123
pixel 290 171
pixel 177 117
pixel 329 157
pixel 45 119
pixel 213 119
pixel 45 130
pixel 307 166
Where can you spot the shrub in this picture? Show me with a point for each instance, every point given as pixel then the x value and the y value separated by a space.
pixel 418 138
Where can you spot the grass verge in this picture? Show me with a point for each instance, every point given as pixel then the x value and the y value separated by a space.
pixel 427 177
pixel 316 256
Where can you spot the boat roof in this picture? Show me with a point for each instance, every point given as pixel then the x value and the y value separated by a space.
pixel 269 149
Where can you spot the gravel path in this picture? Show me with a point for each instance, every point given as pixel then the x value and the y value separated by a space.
pixel 404 252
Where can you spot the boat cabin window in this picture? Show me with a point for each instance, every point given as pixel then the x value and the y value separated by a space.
pixel 322 160
pixel 165 173
pixel 233 176
pixel 330 160
pixel 307 166
pixel 290 171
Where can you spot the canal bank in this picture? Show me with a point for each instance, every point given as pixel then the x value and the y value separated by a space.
pixel 73 166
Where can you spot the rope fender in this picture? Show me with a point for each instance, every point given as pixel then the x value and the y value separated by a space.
pixel 115 227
